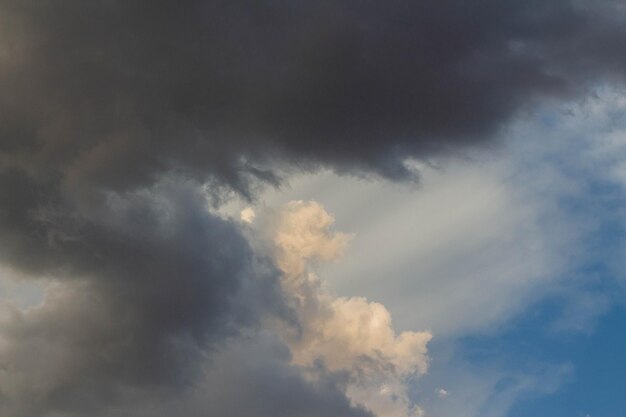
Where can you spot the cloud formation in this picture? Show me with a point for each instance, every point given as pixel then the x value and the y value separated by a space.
pixel 114 92
pixel 141 290
pixel 121 122
pixel 347 334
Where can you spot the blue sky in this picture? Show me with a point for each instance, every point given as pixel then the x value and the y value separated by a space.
pixel 570 339
pixel 596 387
pixel 594 349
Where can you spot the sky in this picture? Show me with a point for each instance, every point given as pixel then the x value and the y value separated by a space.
pixel 312 209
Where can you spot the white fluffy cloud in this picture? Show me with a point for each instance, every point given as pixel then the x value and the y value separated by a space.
pixel 348 334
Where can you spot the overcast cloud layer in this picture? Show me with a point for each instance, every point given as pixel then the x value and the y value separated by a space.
pixel 124 123
pixel 114 92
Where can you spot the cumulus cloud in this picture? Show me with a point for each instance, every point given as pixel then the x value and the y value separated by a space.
pixel 347 334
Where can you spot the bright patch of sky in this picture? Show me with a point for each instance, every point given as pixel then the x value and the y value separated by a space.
pixel 19 293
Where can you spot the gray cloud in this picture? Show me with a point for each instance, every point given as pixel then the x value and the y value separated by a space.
pixel 71 375
pixel 251 377
pixel 114 92
pixel 114 114
pixel 145 286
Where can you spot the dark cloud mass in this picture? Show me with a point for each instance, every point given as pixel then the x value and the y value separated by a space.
pixel 119 118
pixel 113 92
pixel 145 287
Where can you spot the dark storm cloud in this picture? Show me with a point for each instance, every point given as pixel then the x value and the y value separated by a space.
pixel 66 357
pixel 114 91
pixel 146 286
pixel 115 113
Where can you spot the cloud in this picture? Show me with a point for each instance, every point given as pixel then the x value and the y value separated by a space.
pixel 122 122
pixel 252 376
pixel 141 290
pixel 243 376
pixel 155 321
pixel 481 239
pixel 247 215
pixel 348 334
pixel 464 252
pixel 113 93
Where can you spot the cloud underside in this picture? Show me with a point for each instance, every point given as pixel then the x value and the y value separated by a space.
pixel 113 93
pixel 122 122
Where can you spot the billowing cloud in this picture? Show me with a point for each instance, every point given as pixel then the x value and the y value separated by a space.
pixel 113 93
pixel 347 334
pixel 141 289
pixel 168 323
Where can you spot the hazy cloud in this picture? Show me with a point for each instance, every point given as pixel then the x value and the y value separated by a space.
pixel 348 334
pixel 142 288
